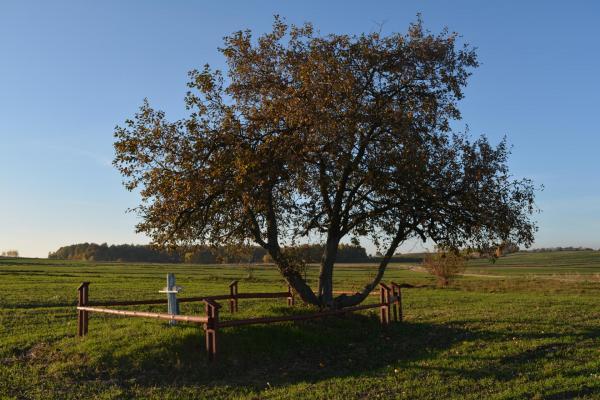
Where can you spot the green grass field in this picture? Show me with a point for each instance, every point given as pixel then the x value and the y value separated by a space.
pixel 525 327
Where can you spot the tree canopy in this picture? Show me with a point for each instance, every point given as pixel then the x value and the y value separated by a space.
pixel 329 137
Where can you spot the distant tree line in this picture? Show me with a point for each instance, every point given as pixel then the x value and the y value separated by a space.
pixel 10 253
pixel 568 248
pixel 308 253
pixel 121 252
pixel 199 254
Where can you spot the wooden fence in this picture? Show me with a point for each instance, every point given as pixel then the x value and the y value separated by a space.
pixel 390 305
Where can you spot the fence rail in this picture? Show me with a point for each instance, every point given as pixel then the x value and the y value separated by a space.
pixel 390 305
pixel 144 314
pixel 193 299
pixel 301 317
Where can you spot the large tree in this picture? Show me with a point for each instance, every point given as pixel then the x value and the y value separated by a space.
pixel 327 136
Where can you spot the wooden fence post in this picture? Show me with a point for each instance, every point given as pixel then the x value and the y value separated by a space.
pixel 82 316
pixel 384 299
pixel 211 328
pixel 233 301
pixel 290 299
pixel 397 303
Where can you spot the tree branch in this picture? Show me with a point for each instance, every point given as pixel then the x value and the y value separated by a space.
pixel 347 301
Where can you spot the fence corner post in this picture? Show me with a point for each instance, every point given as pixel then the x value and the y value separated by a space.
pixel 233 300
pixel 82 315
pixel 211 328
pixel 290 298
pixel 384 299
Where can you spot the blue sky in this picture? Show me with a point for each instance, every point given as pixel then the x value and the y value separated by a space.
pixel 71 71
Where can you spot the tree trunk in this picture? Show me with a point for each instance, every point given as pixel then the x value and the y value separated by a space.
pixel 326 272
pixel 359 297
pixel 294 278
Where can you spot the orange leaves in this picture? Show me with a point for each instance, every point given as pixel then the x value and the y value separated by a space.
pixel 331 135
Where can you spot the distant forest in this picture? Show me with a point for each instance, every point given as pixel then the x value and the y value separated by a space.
pixel 568 248
pixel 198 254
pixel 240 254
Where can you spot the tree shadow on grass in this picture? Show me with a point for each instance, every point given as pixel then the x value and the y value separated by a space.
pixel 251 356
pixel 513 364
pixel 256 356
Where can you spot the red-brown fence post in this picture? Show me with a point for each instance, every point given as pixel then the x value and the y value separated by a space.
pixel 211 328
pixel 384 299
pixel 397 303
pixel 82 316
pixel 233 301
pixel 290 298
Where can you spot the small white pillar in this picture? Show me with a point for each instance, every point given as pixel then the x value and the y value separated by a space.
pixel 171 290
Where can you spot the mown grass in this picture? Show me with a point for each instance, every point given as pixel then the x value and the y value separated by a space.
pixel 527 326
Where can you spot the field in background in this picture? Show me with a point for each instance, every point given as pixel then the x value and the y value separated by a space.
pixel 527 326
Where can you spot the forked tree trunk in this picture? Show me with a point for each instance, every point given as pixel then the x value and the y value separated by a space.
pixel 359 297
pixel 324 298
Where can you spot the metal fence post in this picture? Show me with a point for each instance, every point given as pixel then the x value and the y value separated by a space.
pixel 290 298
pixel 233 300
pixel 82 316
pixel 384 299
pixel 211 328
pixel 397 303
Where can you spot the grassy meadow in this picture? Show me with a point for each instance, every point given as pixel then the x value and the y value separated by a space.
pixel 525 327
